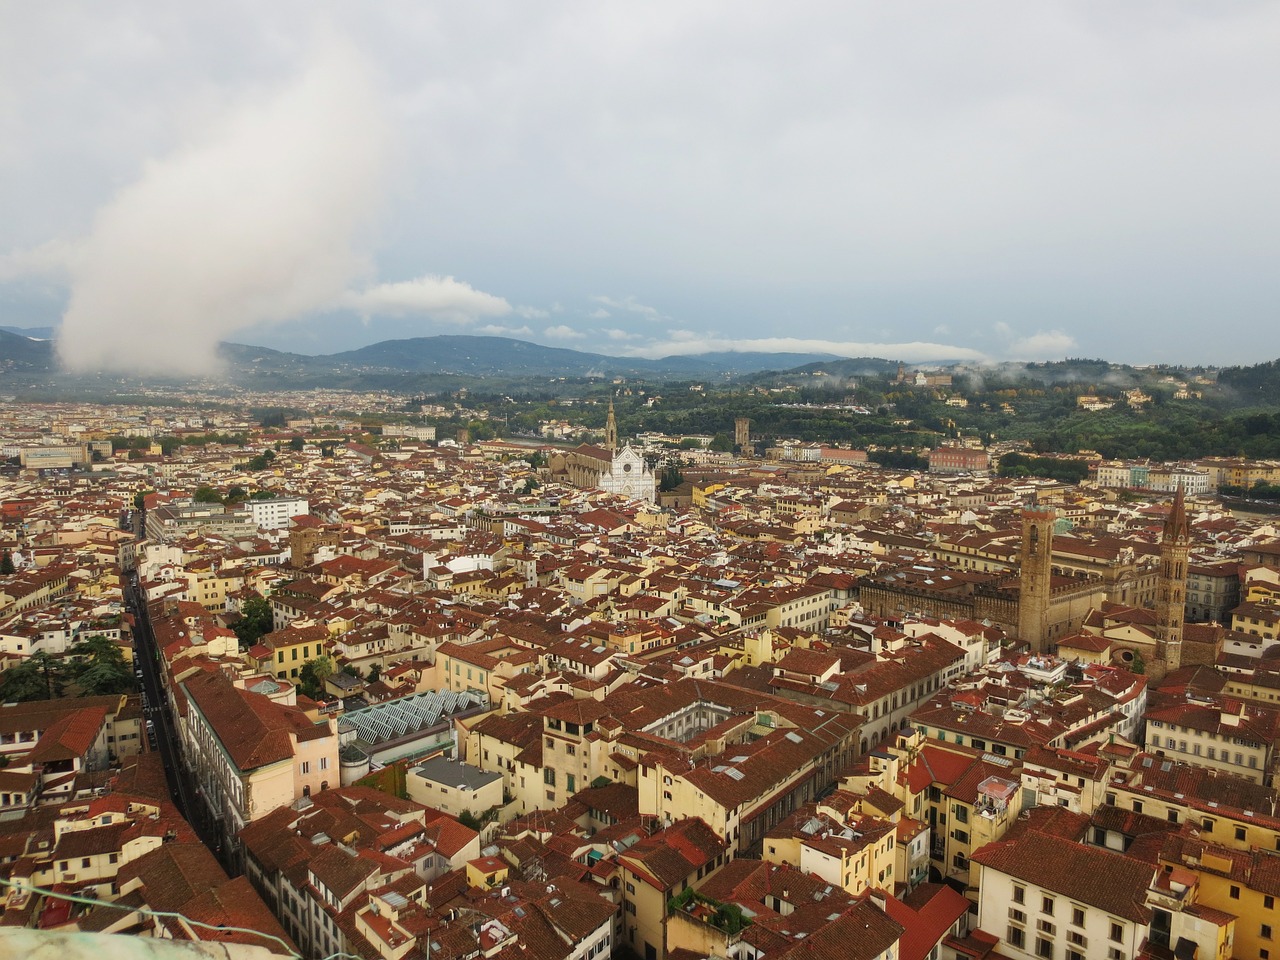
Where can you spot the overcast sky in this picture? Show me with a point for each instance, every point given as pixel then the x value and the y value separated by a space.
pixel 908 180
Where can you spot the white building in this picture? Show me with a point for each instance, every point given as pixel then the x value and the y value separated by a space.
pixel 630 476
pixel 275 514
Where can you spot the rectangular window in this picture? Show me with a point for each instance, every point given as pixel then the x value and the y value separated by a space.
pixel 549 776
pixel 1019 894
pixel 306 767
pixel 1077 917
pixel 1016 937
pixel 1044 948
pixel 1265 931
pixel 570 783
pixel 1117 933
pixel 1235 892
pixel 1240 833
pixel 1046 905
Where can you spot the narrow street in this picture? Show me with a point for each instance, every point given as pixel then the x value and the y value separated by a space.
pixel 162 733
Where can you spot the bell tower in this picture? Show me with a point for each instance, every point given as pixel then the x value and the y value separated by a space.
pixel 1036 576
pixel 611 430
pixel 1171 587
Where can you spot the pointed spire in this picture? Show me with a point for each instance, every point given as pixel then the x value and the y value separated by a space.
pixel 1175 525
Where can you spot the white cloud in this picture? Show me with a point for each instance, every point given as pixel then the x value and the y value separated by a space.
pixel 686 343
pixel 616 334
pixel 630 304
pixel 562 332
pixel 533 313
pixel 255 221
pixel 497 330
pixel 441 298
pixel 1044 345
pixel 54 258
pixel 600 313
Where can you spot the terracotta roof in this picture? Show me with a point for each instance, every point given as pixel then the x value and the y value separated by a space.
pixel 1100 878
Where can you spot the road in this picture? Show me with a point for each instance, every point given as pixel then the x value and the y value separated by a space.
pixel 182 786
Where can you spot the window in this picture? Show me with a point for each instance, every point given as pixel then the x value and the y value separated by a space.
pixel 1019 894
pixel 1117 932
pixel 960 835
pixel 960 813
pixel 1265 931
pixel 569 783
pixel 1269 902
pixel 1046 905
pixel 1173 815
pixel 549 776
pixel 1207 824
pixel 1044 948
pixel 1017 916
pixel 1016 937
pixel 1240 832
pixel 306 767
pixel 324 763
pixel 1077 917
pixel 1235 892
pixel 1137 806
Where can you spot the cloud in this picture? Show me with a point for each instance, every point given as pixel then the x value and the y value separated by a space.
pixel 532 313
pixel 257 220
pixel 53 258
pixel 600 313
pixel 1044 345
pixel 497 330
pixel 442 298
pixel 629 304
pixel 616 334
pixel 687 343
pixel 562 332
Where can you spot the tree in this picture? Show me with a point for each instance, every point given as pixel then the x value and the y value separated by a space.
pixel 6 564
pixel 255 621
pixel 313 674
pixel 98 667
pixel 236 495
pixel 296 444
pixel 206 494
pixel 671 478
pixel 22 683
pixel 375 671
pixel 51 670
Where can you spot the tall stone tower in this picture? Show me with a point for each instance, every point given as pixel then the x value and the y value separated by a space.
pixel 611 430
pixel 1036 576
pixel 742 432
pixel 1171 587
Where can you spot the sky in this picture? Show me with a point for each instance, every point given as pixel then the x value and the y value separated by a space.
pixel 915 181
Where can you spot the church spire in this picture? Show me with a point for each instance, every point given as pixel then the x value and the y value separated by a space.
pixel 611 430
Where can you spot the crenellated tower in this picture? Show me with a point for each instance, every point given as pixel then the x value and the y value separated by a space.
pixel 1171 587
pixel 1036 576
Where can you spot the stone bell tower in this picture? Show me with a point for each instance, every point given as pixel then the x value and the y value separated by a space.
pixel 1171 588
pixel 1036 576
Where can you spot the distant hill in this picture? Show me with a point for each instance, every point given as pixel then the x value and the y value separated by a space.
pixel 35 333
pixel 504 357
pixel 21 354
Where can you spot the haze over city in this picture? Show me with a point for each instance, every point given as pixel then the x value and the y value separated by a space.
pixel 919 182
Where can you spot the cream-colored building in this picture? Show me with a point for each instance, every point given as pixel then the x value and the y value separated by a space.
pixel 454 787
pixel 250 755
